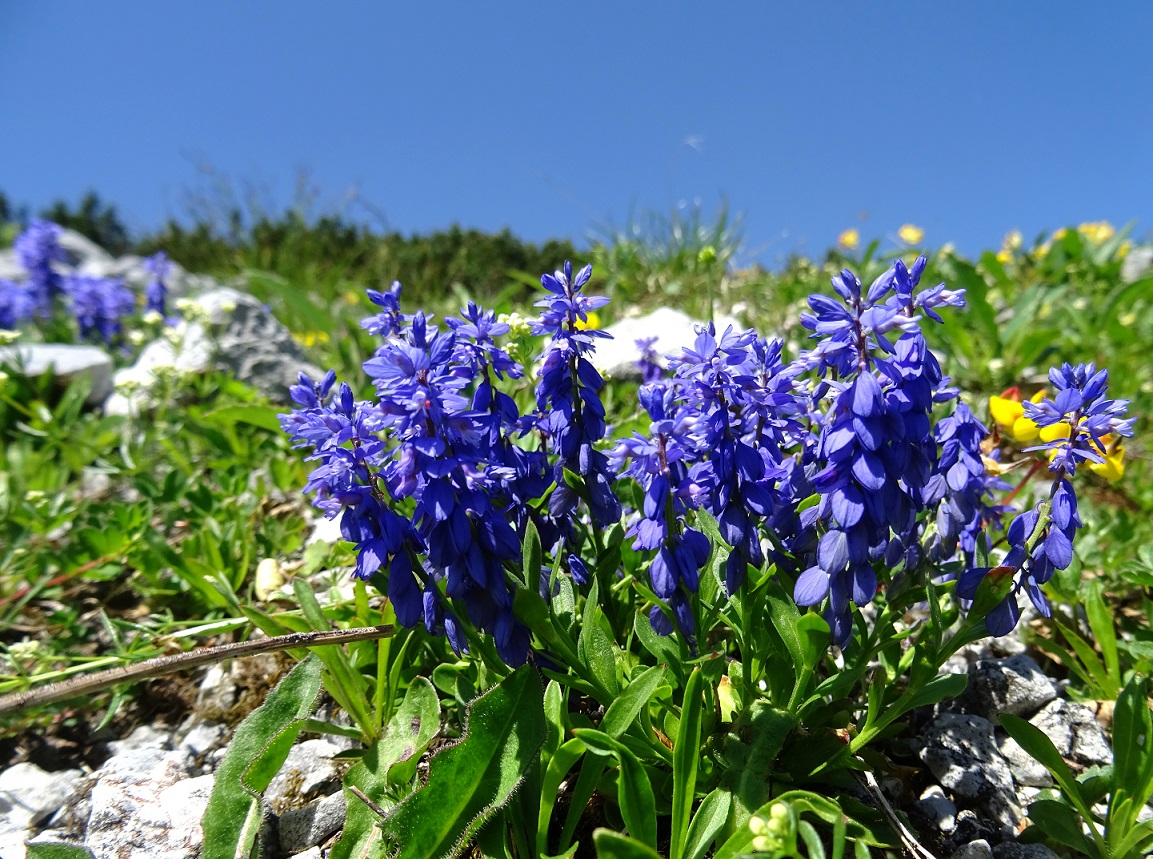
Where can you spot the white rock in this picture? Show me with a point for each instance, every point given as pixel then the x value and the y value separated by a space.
pixel 143 737
pixel 1014 685
pixel 310 826
pixel 81 249
pixel 29 795
pixel 10 267
pixel 1026 771
pixel 308 771
pixel 66 362
pixel 235 333
pixel 325 530
pixel 673 329
pixel 978 849
pixel 1137 264
pixel 134 817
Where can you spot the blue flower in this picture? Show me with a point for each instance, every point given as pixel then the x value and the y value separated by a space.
pixel 37 248
pixel 17 305
pixel 568 397
pixel 99 305
pixel 660 465
pixel 1040 541
pixel 158 265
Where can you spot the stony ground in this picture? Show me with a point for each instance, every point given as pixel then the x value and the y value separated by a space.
pixel 961 782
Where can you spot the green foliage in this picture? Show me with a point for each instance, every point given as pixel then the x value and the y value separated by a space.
pixel 256 753
pixel 469 781
pixel 388 768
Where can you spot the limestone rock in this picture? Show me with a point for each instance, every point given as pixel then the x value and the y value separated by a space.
pixel 302 828
pixel 66 362
pixel 1014 685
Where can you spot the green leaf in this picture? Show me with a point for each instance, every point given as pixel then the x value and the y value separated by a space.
pixel 662 647
pixel 623 711
pixel 596 648
pixel 634 791
pixel 232 817
pixel 613 845
pixel 1060 822
pixel 937 690
pixel 558 766
pixel 57 851
pixel 751 755
pixel 707 823
pixel 1101 622
pixel 1133 733
pixel 389 762
pixel 467 782
pixel 259 416
pixel 813 633
pixel 533 557
pixel 686 757
pixel 784 616
pixel 347 685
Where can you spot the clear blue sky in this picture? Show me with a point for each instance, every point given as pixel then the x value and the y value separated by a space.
pixel 968 119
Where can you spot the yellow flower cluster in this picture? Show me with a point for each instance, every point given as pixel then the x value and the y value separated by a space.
pixel 1097 231
pixel 1009 247
pixel 1009 414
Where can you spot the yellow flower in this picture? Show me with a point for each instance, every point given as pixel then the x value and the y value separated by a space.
pixel 1124 248
pixel 310 338
pixel 1009 415
pixel 351 297
pixel 593 320
pixel 910 234
pixel 1013 240
pixel 1113 468
pixel 849 239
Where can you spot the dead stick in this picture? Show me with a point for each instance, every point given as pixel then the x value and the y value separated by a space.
pixel 166 664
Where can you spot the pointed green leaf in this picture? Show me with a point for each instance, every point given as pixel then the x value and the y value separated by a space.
pixel 1060 822
pixel 623 711
pixel 613 845
pixel 634 790
pixel 707 823
pixel 686 757
pixel 1133 733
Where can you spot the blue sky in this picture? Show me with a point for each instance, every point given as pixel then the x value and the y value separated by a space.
pixel 968 119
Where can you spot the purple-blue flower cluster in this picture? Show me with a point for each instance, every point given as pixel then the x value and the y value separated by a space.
pixel 829 467
pixel 99 305
pixel 37 248
pixel 572 416
pixel 875 453
pixel 660 465
pixel 1074 425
